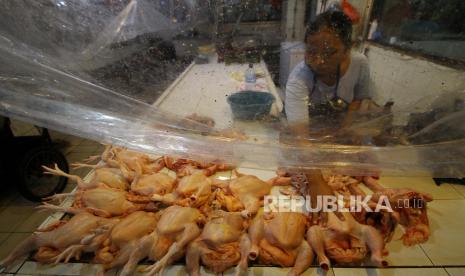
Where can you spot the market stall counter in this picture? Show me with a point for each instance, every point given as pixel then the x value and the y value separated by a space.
pixel 202 90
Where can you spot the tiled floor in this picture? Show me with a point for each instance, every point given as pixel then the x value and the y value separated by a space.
pixel 446 246
pixel 18 217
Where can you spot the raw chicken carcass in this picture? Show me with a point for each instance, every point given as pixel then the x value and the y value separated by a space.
pixel 149 184
pixel 79 228
pixel 104 202
pixel 123 238
pixel 341 183
pixel 184 167
pixel 385 222
pixel 218 247
pixel 278 239
pixel 345 242
pixel 338 235
pixel 111 177
pixel 177 227
pixel 246 193
pixel 411 206
pixel 115 156
pixel 193 190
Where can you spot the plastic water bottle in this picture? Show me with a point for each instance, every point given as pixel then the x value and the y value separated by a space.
pixel 373 29
pixel 250 78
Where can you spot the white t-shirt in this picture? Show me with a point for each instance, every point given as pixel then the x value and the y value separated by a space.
pixel 353 85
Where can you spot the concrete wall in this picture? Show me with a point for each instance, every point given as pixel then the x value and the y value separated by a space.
pixel 454 49
pixel 294 20
pixel 410 81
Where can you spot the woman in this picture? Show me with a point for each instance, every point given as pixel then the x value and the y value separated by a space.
pixel 324 90
pixel 332 82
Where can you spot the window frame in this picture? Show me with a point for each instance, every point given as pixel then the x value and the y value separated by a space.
pixel 444 61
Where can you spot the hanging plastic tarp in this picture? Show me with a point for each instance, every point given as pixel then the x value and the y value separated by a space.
pixel 48 51
pixel 139 21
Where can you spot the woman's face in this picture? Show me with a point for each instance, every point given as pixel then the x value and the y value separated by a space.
pixel 325 51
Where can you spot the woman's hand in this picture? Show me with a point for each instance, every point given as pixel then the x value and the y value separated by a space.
pixel 368 105
pixel 296 135
pixel 317 186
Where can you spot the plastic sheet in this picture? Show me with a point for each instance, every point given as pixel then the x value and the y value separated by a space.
pixel 49 51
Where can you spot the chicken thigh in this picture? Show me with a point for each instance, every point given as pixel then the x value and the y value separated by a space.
pixel 345 241
pixel 278 239
pixel 218 247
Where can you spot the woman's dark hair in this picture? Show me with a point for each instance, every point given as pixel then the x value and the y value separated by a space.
pixel 337 21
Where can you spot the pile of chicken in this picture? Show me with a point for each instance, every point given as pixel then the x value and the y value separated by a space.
pixel 166 210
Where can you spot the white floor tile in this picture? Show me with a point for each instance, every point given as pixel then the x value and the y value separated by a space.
pixel 63 269
pixel 456 271
pixel 22 201
pixel 175 270
pixel 30 224
pixel 400 255
pixel 99 149
pixel 86 142
pixel 3 237
pixel 446 245
pixel 69 150
pixel 69 187
pixel 268 271
pixel 11 242
pixel 459 188
pixel 12 216
pixel 390 271
pixel 205 272
pixel 90 149
pixel 422 184
pixel 74 140
pixel 77 157
pixel 15 266
pixel 82 172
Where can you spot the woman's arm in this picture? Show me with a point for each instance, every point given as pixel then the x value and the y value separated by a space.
pixel 296 106
pixel 362 93
pixel 353 107
pixel 363 87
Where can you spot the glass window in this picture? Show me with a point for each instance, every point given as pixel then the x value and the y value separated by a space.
pixel 251 11
pixel 432 27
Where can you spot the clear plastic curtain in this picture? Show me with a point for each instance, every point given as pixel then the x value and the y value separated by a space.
pixel 47 47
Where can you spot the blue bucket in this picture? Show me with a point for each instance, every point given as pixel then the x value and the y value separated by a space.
pixel 250 105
